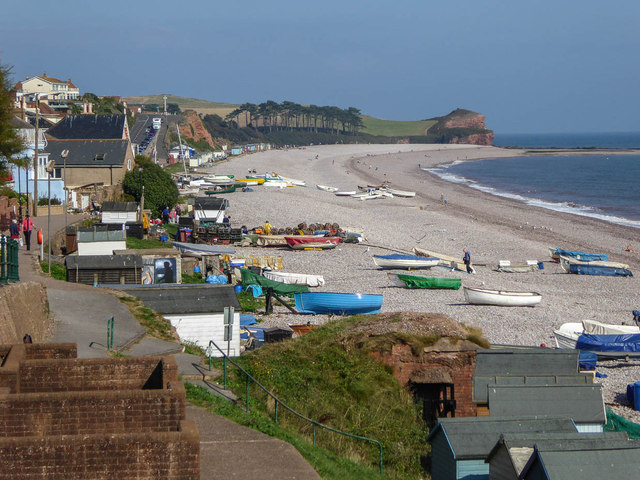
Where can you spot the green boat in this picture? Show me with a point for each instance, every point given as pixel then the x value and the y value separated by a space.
pixel 414 281
pixel 221 189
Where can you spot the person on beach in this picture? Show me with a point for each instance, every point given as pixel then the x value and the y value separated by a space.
pixel 267 228
pixel 27 227
pixel 467 261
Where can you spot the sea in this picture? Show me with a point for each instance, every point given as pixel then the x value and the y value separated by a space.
pixel 603 185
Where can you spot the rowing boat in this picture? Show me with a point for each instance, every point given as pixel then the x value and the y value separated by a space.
pixel 344 193
pixel 326 188
pixel 404 261
pixel 609 269
pixel 337 303
pixel 401 193
pixel 295 278
pixel 300 242
pixel 502 298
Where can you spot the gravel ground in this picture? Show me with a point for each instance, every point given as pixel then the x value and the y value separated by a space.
pixel 492 228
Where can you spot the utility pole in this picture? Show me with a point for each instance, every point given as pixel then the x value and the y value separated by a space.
pixel 164 97
pixel 35 161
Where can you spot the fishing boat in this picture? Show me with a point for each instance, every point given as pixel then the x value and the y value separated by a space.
pixel 502 298
pixel 445 260
pixel 326 188
pixel 201 248
pixel 609 269
pixel 401 193
pixel 568 333
pixel 271 241
pixel 556 253
pixel 251 181
pixel 507 267
pixel 295 278
pixel 414 281
pixel 337 303
pixel 408 262
pixel 610 346
pixel 221 188
pixel 300 242
pixel 344 193
pixel 219 178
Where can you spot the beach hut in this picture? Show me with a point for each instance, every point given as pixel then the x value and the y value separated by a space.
pixel 582 403
pixel 100 240
pixel 460 446
pixel 196 311
pixel 119 213
pixel 210 209
pixel 512 452
pixel 95 269
pixel 592 464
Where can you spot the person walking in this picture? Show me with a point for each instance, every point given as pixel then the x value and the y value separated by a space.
pixel 467 261
pixel 165 216
pixel 27 227
pixel 14 230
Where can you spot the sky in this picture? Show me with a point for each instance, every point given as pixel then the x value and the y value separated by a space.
pixel 529 67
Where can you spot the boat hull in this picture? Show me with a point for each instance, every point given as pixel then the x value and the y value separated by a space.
pixel 501 298
pixel 405 262
pixel 300 242
pixel 607 269
pixel 295 278
pixel 413 281
pixel 338 303
pixel 326 188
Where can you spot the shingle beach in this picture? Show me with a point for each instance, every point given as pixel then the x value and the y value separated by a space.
pixel 492 228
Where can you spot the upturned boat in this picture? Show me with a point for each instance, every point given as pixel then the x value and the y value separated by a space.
pixel 344 193
pixel 300 242
pixel 608 269
pixel 326 188
pixel 415 281
pixel 330 303
pixel 556 253
pixel 501 298
pixel 408 262
pixel 295 278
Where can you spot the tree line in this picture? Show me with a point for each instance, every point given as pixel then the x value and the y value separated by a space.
pixel 272 116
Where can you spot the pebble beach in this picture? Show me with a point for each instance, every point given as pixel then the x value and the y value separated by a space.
pixel 492 228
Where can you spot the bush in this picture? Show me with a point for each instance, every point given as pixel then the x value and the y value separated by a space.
pixel 160 190
pixel 44 201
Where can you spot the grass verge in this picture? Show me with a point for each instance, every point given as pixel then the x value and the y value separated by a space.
pixel 59 272
pixel 153 322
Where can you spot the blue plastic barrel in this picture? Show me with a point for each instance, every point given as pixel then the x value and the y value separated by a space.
pixel 633 395
pixel 541 265
pixel 238 288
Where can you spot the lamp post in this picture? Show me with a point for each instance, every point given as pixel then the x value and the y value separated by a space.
pixel 64 155
pixel 50 166
pixel 36 159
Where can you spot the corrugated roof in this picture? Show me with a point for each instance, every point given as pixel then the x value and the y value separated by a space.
pixel 474 437
pixel 177 299
pixel 529 361
pixel 119 206
pixel 593 464
pixel 84 153
pixel 103 262
pixel 89 127
pixel 210 203
pixel 582 403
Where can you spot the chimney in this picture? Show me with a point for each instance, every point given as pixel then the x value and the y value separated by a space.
pixel 91 108
pixel 84 108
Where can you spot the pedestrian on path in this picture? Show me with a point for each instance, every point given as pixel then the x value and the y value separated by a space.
pixel 14 230
pixel 27 227
pixel 467 261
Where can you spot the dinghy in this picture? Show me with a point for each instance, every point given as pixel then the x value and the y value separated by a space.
pixel 295 278
pixel 401 193
pixel 326 188
pixel 337 303
pixel 609 269
pixel 501 298
pixel 344 193
pixel 407 262
pixel 300 242
pixel 414 281
pixel 568 333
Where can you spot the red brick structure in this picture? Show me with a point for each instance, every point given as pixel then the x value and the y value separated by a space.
pixel 63 417
pixel 441 376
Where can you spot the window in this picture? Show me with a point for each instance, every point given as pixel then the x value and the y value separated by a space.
pixel 99 157
pixel 57 173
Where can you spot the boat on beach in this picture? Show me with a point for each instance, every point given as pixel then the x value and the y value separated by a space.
pixel 330 303
pixel 344 193
pixel 407 262
pixel 326 188
pixel 567 335
pixel 445 260
pixel 221 188
pixel 300 242
pixel 556 253
pixel 295 278
pixel 608 269
pixel 415 281
pixel 401 193
pixel 271 241
pixel 507 267
pixel 501 298
pixel 202 248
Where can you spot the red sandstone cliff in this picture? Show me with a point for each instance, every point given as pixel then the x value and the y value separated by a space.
pixel 193 128
pixel 463 126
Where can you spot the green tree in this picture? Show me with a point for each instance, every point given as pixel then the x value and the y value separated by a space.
pixel 160 190
pixel 10 142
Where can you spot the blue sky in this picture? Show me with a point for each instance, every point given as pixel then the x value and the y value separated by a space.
pixel 530 67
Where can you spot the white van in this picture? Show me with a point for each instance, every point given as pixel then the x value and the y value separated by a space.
pixel 157 122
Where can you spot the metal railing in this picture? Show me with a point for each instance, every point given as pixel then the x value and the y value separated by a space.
pixel 9 267
pixel 277 401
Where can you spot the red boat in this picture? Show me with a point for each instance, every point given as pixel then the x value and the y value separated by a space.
pixel 300 242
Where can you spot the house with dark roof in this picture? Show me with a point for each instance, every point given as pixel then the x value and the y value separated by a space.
pixel 460 446
pixel 91 127
pixel 512 452
pixel 196 312
pixel 585 464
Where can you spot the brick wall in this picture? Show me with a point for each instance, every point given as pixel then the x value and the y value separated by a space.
pixel 82 413
pixel 9 209
pixel 134 373
pixel 140 456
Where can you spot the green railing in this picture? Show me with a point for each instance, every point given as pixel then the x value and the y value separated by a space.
pixel 9 271
pixel 278 402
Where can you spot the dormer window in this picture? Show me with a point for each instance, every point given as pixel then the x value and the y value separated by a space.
pixel 99 157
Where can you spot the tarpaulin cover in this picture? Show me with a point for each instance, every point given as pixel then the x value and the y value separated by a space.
pixel 217 279
pixel 257 332
pixel 279 288
pixel 602 270
pixel 247 319
pixel 587 360
pixel 413 281
pixel 609 343
pixel 585 257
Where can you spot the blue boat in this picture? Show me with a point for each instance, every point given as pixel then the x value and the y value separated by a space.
pixel 611 346
pixel 337 303
pixel 595 269
pixel 556 253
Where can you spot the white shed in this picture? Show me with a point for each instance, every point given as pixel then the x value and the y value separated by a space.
pixel 100 241
pixel 119 212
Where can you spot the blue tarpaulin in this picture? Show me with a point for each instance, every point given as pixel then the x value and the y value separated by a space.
pixel 609 343
pixel 585 257
pixel 587 360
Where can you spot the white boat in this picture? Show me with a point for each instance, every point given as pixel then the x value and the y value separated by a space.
pixel 408 262
pixel 508 267
pixel 502 298
pixel 342 193
pixel 445 260
pixel 219 178
pixel 325 188
pixel 295 278
pixel 293 181
pixel 277 184
pixel 567 335
pixel 401 193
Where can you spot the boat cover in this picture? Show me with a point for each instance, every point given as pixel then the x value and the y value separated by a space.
pixel 413 281
pixel 585 257
pixel 587 360
pixel 398 256
pixel 250 278
pixel 602 270
pixel 609 343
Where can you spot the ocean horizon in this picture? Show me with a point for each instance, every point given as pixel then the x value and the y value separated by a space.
pixel 602 186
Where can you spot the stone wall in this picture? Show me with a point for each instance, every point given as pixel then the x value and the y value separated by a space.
pixel 23 309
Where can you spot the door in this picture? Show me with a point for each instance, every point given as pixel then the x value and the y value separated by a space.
pixel 85 201
pixel 437 400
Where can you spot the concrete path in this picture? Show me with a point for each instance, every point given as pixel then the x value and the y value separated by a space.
pixel 80 313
